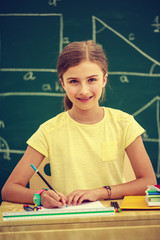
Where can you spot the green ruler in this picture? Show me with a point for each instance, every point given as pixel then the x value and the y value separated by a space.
pixel 57 213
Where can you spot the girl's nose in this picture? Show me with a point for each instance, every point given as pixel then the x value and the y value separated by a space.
pixel 84 89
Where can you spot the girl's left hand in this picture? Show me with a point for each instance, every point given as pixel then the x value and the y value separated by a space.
pixel 78 196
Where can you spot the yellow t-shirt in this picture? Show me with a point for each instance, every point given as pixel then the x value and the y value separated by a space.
pixel 86 156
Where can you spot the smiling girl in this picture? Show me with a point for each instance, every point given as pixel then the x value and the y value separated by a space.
pixel 85 144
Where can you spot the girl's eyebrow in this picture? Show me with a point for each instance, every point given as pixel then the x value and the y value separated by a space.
pixel 75 78
pixel 92 76
pixel 71 78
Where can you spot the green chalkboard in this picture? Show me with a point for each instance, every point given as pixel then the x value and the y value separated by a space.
pixel 33 33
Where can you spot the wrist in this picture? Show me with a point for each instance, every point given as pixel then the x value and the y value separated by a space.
pixel 109 191
pixel 101 194
pixel 37 196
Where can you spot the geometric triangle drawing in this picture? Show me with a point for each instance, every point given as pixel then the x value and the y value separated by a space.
pixel 96 30
pixel 154 125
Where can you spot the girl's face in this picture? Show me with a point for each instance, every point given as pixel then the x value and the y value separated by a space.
pixel 83 85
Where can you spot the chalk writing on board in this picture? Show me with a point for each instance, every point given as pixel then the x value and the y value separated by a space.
pixel 53 2
pixel 2 125
pixel 27 70
pixel 29 76
pixel 156 25
pixel 66 40
pixel 59 23
pixel 131 37
pixel 46 87
pixel 58 87
pixel 42 94
pixel 124 79
pixel 4 148
pixel 146 137
pixel 106 26
pixel 30 73
pixel 152 68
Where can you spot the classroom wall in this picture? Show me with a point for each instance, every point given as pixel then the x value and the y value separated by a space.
pixel 33 33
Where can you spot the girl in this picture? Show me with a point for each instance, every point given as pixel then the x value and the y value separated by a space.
pixel 86 143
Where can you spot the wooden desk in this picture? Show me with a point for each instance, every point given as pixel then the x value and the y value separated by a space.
pixel 127 225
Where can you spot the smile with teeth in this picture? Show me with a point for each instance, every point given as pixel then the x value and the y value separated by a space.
pixel 84 99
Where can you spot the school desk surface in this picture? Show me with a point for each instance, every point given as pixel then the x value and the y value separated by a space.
pixel 128 224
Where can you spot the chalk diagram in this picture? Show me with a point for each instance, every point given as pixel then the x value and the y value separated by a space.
pixel 106 26
pixel 146 138
pixel 123 76
pixel 29 75
pixel 29 72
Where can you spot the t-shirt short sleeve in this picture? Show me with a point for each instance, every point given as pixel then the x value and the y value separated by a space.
pixel 133 131
pixel 39 141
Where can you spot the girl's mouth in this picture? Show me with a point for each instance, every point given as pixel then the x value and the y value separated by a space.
pixel 84 99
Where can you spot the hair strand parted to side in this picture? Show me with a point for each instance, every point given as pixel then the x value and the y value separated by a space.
pixel 76 52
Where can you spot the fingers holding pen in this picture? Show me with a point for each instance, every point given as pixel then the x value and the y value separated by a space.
pixel 63 198
pixel 50 199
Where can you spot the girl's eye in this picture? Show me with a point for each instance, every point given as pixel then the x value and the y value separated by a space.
pixel 73 81
pixel 92 79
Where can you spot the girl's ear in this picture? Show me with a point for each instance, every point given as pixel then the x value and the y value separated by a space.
pixel 62 83
pixel 105 80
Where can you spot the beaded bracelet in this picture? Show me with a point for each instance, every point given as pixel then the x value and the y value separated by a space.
pixel 108 188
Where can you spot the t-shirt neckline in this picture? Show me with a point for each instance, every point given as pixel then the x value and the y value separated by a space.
pixel 88 125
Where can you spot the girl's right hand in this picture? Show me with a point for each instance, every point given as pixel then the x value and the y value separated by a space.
pixel 49 199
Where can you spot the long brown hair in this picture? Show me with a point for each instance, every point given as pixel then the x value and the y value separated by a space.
pixel 75 53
